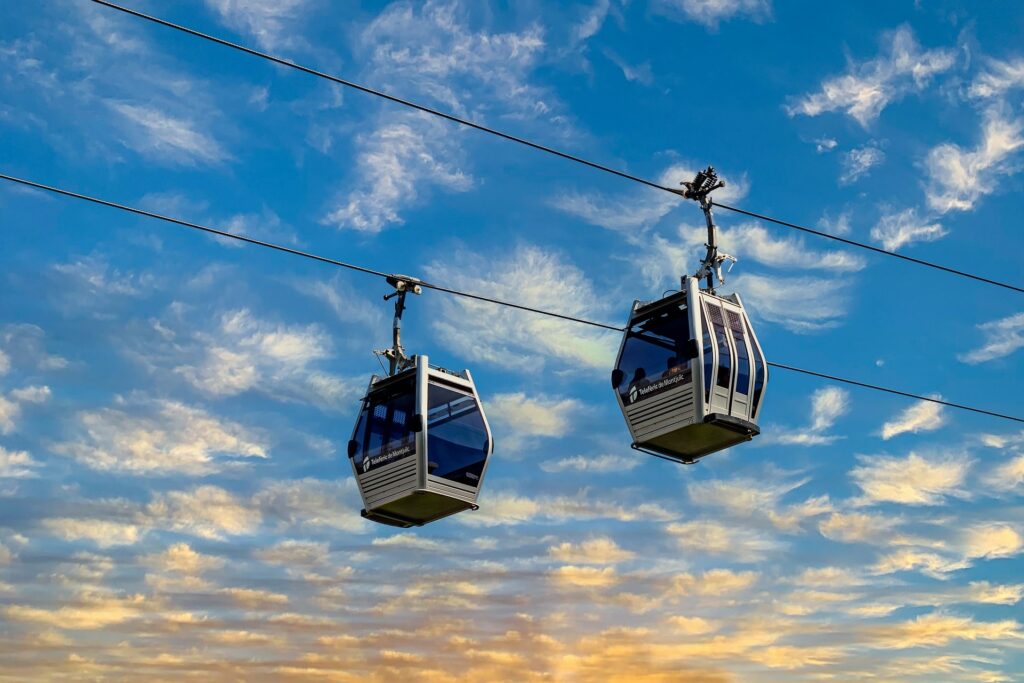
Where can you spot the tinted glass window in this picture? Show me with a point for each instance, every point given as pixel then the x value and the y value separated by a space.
pixel 724 355
pixel 655 356
pixel 742 356
pixel 709 359
pixel 385 430
pixel 456 436
pixel 760 373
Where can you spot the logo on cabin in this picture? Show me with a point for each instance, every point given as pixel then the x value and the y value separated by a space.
pixel 633 395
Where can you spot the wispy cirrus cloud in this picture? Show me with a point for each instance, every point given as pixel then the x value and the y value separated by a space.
pixel 1002 337
pixel 516 339
pixel 901 228
pixel 804 305
pixel 164 137
pixel 159 437
pixel 902 67
pixel 711 13
pixel 858 163
pixel 914 480
pixel 958 178
pixel 827 405
pixel 431 51
pixel 923 416
pixel 998 78
pixel 270 22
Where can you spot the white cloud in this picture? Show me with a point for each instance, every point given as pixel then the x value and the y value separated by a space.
pixel 894 230
pixel 823 145
pixel 1007 476
pixel 857 527
pixel 837 225
pixel 11 405
pixel 991 540
pixel 88 611
pixel 522 417
pixel 407 540
pixel 711 13
pixel 504 508
pixel 5 363
pixel 205 511
pixel 923 416
pixel 180 558
pixel 929 563
pixel 164 137
pixel 104 533
pixel 270 22
pixel 640 73
pixel 598 550
pixel 738 543
pixel 396 164
pixel 827 405
pixel 428 51
pixel 867 88
pixel 517 339
pixel 302 503
pixel 800 304
pixel 758 500
pixel 347 304
pixel 958 178
pixel 16 464
pixel 158 438
pixel 295 553
pixel 999 78
pixel 592 463
pixel 858 162
pixel 914 480
pixel 247 353
pixel 591 22
pixel 1002 337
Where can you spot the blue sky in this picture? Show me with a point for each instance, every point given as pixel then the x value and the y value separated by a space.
pixel 174 496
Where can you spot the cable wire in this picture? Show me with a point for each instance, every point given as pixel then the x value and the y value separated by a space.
pixel 543 148
pixel 455 292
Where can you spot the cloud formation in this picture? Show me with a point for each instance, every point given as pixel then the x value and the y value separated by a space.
pixel 901 68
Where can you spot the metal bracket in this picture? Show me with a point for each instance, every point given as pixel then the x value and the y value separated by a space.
pixel 699 189
pixel 403 284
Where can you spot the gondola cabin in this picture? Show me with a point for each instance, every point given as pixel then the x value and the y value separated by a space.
pixel 420 447
pixel 690 374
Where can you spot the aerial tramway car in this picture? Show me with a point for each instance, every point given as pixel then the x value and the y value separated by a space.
pixel 421 444
pixel 690 375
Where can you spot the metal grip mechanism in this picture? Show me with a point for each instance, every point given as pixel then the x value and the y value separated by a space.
pixel 403 284
pixel 699 189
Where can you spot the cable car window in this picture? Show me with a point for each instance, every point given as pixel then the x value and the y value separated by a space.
pixel 742 357
pixel 384 433
pixel 456 436
pixel 724 356
pixel 709 359
pixel 656 355
pixel 760 372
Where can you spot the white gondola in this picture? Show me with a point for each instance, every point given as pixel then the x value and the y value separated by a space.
pixel 690 376
pixel 420 447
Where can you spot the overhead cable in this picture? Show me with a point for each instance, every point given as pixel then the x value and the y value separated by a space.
pixel 455 292
pixel 534 145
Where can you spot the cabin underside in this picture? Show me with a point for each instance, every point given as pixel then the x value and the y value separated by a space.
pixel 687 444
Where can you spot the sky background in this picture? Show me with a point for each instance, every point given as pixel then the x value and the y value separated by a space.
pixel 174 493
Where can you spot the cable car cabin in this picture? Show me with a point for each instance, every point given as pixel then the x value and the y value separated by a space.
pixel 690 374
pixel 420 448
